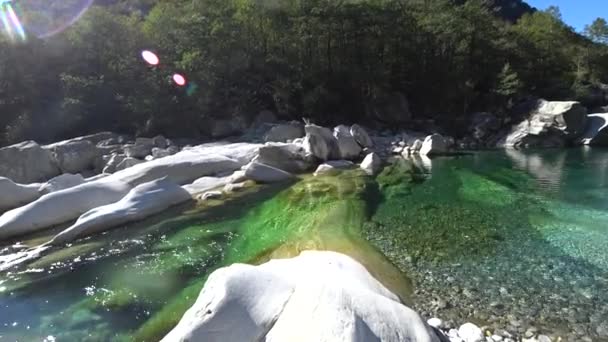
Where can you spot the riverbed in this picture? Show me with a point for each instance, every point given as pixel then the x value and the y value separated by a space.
pixel 509 240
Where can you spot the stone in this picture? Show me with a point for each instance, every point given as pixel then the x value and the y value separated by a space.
pixel 60 207
pixel 74 156
pixel 142 201
pixel 235 187
pixel 469 332
pixel 285 132
pixel 264 117
pixel 205 184
pixel 435 322
pixel 113 162
pixel 289 157
pixel 128 162
pixel 19 194
pixel 238 176
pixel 407 151
pixel 361 136
pixel 62 182
pixel 596 133
pixel 321 143
pixel 139 150
pixel 416 146
pixel 160 142
pixel 496 338
pixel 372 164
pixel 543 338
pixel 263 173
pixel 333 167
pixel 348 147
pixel 548 124
pixel 211 195
pixel 433 145
pixel 316 296
pixel 397 150
pixel 27 162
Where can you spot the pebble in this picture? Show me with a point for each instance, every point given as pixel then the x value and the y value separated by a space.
pixel 469 332
pixel 435 323
pixel 496 338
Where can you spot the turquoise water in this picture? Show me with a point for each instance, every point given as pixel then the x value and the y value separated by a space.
pixel 509 240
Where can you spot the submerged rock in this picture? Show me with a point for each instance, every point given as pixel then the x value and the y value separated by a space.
pixel 317 296
pixel 371 164
pixel 142 201
pixel 13 195
pixel 263 173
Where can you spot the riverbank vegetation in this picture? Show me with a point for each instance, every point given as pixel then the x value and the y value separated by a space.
pixel 371 61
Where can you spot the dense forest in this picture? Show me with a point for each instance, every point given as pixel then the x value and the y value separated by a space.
pixel 327 60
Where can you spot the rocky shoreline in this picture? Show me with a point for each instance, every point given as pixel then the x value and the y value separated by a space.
pixel 101 181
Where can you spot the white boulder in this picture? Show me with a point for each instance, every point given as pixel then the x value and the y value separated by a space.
pixel 321 143
pixel 74 156
pixel 469 332
pixel 372 164
pixel 347 145
pixel 211 195
pixel 263 173
pixel 142 201
pixel 65 181
pixel 416 146
pixel 596 132
pixel 27 162
pixel 361 136
pixel 60 207
pixel 288 157
pixel 204 184
pixel 433 144
pixel 317 296
pixel 13 195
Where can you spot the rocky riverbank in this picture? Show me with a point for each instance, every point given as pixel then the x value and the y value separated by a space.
pixel 91 184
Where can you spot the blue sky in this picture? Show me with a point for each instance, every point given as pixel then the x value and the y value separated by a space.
pixel 577 13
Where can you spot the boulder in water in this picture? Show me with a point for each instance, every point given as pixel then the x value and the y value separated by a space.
pixel 316 296
pixel 13 195
pixel 333 167
pixel 549 124
pixel 372 164
pixel 434 144
pixel 596 133
pixel 27 162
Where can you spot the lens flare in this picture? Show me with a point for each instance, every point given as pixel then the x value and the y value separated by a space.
pixel 150 57
pixel 44 20
pixel 179 80
pixel 11 21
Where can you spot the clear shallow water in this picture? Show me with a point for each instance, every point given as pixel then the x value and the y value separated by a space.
pixel 507 239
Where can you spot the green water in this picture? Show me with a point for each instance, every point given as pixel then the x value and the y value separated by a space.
pixel 516 218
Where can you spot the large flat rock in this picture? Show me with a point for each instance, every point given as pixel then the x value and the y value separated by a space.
pixel 317 296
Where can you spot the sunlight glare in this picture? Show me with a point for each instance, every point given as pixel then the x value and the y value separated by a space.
pixel 179 80
pixel 150 57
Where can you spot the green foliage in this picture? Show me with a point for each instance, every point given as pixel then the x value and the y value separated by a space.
pixel 331 61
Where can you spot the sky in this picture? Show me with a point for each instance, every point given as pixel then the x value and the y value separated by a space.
pixel 576 13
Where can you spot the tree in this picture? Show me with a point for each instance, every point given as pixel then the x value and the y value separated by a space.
pixel 598 31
